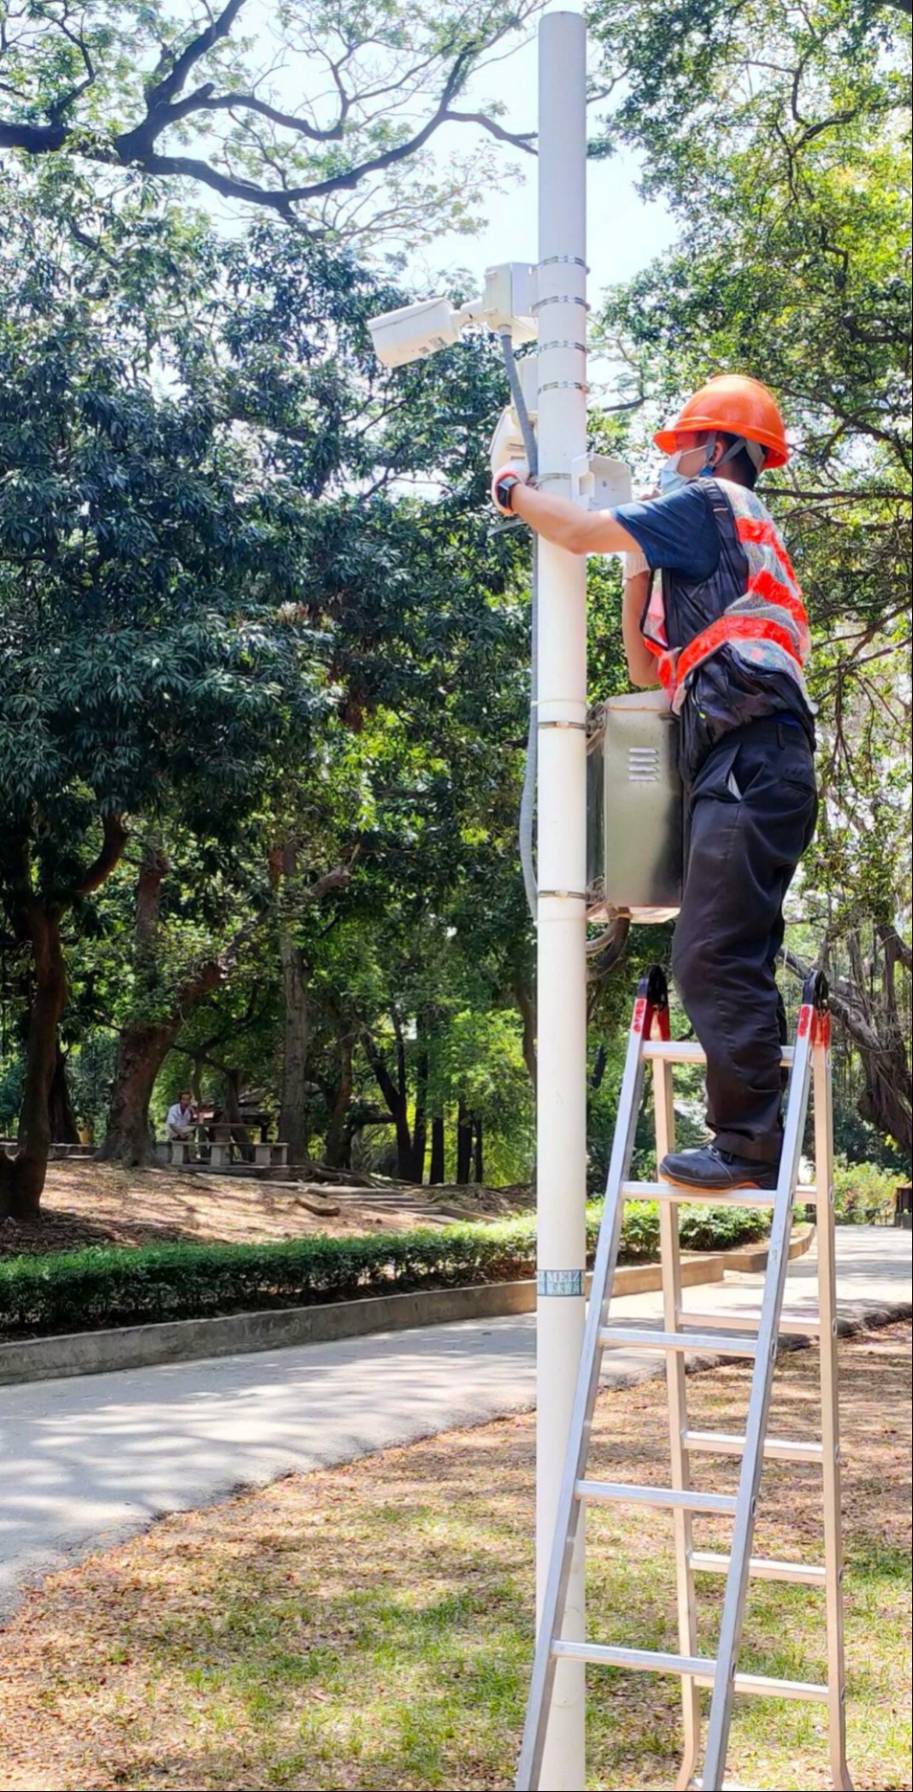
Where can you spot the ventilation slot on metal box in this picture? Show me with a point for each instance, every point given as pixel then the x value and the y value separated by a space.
pixel 643 765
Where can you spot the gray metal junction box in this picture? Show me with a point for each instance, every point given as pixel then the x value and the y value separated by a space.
pixel 635 820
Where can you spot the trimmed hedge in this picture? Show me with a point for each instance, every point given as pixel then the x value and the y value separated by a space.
pixel 82 1290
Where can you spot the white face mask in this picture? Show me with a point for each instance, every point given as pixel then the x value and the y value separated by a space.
pixel 671 478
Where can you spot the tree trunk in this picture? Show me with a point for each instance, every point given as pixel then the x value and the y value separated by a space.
pixel 232 1088
pixel 144 1045
pixel 420 1123
pixel 338 1142
pixel 293 1120
pixel 464 1143
pixel 141 1051
pixel 436 1170
pixel 239 1132
pixel 394 1094
pixel 478 1154
pixel 295 1035
pixel 22 1177
pixel 885 1101
pixel 64 1130
pixel 527 1007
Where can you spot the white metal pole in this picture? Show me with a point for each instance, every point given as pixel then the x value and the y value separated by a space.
pixel 561 840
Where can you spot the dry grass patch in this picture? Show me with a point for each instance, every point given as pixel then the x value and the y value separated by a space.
pixel 92 1203
pixel 369 1627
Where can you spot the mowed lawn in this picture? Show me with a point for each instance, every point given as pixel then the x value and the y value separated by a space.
pixel 369 1627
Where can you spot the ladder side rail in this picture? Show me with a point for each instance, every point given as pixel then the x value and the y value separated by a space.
pixel 680 1464
pixel 569 1508
pixel 758 1406
pixel 830 1424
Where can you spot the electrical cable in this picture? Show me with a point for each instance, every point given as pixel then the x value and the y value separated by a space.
pixel 526 823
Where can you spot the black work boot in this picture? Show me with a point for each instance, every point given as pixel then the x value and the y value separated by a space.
pixel 709 1168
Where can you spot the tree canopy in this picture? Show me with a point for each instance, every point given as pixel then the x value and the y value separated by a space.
pixel 316 112
pixel 263 644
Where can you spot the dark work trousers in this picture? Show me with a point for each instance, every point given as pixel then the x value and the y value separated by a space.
pixel 752 810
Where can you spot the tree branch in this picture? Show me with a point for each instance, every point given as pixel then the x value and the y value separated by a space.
pixel 890 936
pixel 382 1075
pixel 524 140
pixel 162 93
pixel 248 102
pixel 38 139
pixel 62 105
pixel 134 148
pixel 824 497
pixel 331 880
pixel 113 843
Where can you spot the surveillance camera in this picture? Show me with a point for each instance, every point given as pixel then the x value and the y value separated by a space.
pixel 415 331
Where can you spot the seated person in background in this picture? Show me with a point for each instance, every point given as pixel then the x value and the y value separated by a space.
pixel 180 1117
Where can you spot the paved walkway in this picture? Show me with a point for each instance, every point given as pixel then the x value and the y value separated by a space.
pixel 88 1460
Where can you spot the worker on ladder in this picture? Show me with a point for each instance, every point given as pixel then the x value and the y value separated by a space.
pixel 726 634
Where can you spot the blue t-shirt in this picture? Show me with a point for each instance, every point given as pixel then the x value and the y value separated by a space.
pixel 676 531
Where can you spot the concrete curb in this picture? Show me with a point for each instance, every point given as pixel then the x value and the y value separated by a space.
pixel 182 1340
pixel 751 1259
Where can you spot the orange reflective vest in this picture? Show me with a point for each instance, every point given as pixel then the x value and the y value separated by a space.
pixel 766 625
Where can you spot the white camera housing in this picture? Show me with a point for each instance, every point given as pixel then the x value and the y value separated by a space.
pixel 415 331
pixel 600 481
pixel 508 448
pixel 508 299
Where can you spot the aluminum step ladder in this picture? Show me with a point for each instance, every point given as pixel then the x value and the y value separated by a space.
pixel 684 1331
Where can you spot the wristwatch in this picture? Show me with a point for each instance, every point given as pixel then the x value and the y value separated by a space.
pixel 504 489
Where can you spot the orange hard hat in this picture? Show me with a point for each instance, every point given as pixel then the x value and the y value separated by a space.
pixel 739 406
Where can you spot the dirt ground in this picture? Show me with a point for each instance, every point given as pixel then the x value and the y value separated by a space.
pixel 92 1203
pixel 368 1627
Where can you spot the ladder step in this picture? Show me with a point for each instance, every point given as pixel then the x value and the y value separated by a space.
pixel 696 1667
pixel 648 1660
pixel 674 1499
pixel 762 1686
pixel 776 1449
pixel 807 1574
pixel 806 1195
pixel 792 1324
pixel 687 1051
pixel 618 1336
pixel 671 1191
